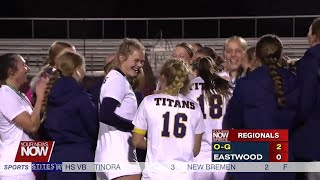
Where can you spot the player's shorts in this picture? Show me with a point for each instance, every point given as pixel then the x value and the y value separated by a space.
pixel 168 176
pixel 206 157
pixel 27 176
pixel 115 147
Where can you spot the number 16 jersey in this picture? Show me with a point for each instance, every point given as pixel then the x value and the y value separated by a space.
pixel 171 123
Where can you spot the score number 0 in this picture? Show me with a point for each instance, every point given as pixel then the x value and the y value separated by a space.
pixel 278 156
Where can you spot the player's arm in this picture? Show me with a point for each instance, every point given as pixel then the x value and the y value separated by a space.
pixel 27 122
pixel 307 83
pixel 108 116
pixel 200 128
pixel 140 127
pixel 197 144
pixel 88 113
pixel 15 111
pixel 138 139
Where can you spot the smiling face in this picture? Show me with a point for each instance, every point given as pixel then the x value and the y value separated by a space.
pixel 233 54
pixel 181 53
pixel 132 64
pixel 19 75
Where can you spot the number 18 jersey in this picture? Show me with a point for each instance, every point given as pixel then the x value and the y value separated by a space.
pixel 213 111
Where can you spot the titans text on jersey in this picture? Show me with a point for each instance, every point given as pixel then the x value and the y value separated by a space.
pixel 174 103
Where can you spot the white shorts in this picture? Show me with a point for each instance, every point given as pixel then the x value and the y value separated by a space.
pixel 207 157
pixel 115 146
pixel 28 176
pixel 167 176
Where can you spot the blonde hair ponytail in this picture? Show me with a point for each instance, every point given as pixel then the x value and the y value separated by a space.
pixel 177 74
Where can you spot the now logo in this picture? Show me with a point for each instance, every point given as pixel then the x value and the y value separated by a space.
pixel 34 151
pixel 220 135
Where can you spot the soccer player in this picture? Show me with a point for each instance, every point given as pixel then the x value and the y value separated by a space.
pixel 212 93
pixel 70 117
pixel 308 73
pixel 183 51
pixel 118 105
pixel 265 99
pixel 50 65
pixel 173 121
pixel 233 52
pixel 249 62
pixel 18 119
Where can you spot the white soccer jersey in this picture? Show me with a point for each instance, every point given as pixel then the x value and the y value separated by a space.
pixel 171 123
pixel 213 116
pixel 117 87
pixel 11 105
pixel 113 145
pixel 226 76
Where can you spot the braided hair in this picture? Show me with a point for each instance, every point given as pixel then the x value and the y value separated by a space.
pixel 177 75
pixel 68 63
pixel 269 51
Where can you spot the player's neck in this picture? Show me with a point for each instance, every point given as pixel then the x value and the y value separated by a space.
pixel 233 73
pixel 315 43
pixel 162 83
pixel 162 88
pixel 13 84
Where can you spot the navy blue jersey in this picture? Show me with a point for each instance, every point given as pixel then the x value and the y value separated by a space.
pixel 254 106
pixel 308 69
pixel 73 124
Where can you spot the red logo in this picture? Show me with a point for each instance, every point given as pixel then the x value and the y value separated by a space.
pixel 220 135
pixel 34 151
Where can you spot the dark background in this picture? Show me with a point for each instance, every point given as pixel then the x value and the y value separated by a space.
pixel 159 8
pixel 144 8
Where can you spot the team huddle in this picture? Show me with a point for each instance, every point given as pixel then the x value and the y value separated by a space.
pixel 197 91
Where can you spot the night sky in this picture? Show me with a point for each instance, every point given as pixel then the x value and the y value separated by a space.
pixel 151 8
pixel 144 8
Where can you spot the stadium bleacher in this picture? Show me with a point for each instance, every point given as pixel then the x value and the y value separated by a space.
pixel 95 50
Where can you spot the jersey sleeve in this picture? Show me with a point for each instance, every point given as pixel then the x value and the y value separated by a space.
pixel 140 119
pixel 11 105
pixel 114 86
pixel 307 83
pixel 88 114
pixel 200 122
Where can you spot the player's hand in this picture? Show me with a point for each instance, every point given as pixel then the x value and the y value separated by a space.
pixel 41 87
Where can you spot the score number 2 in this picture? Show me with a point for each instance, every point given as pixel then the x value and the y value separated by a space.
pixel 279 147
